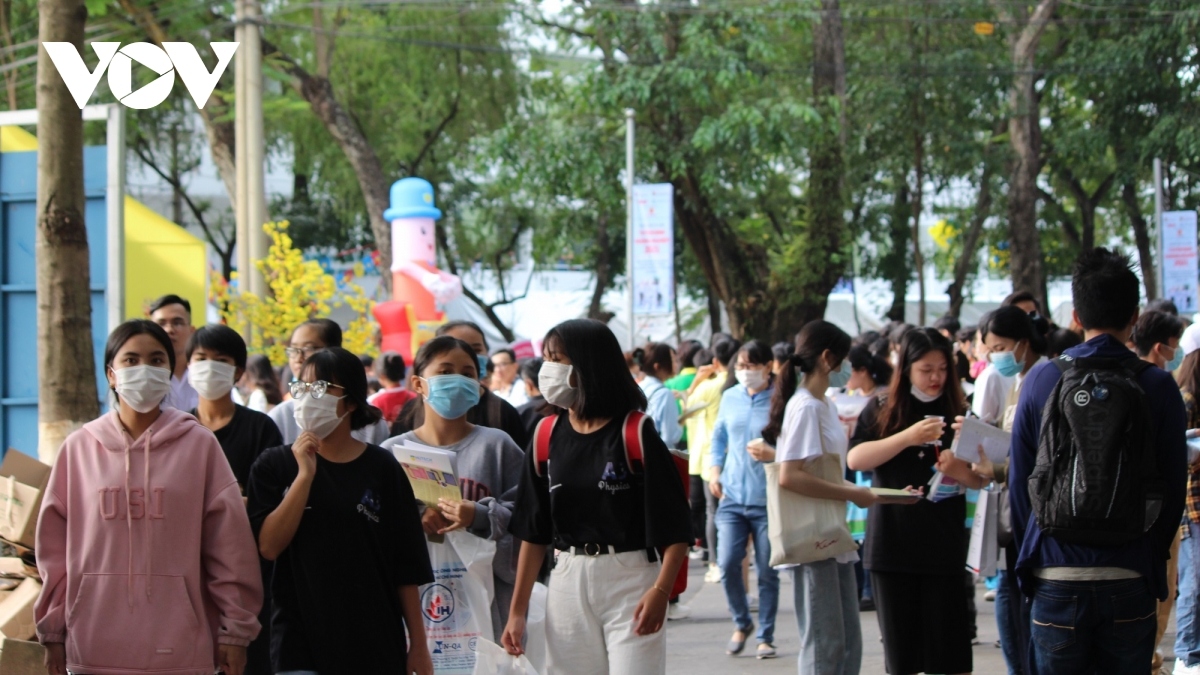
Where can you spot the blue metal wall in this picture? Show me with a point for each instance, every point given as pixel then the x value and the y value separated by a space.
pixel 18 283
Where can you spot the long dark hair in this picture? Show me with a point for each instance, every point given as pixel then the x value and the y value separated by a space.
pixel 606 389
pixel 263 377
pixel 896 408
pixel 879 370
pixel 338 366
pixel 813 340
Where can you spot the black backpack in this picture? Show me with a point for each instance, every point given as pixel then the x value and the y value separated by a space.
pixel 1096 481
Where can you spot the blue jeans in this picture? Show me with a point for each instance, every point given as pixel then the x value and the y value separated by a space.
pixel 1008 613
pixel 735 524
pixel 827 615
pixel 1092 627
pixel 1187 607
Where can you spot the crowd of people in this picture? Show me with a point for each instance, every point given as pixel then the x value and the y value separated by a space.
pixel 225 515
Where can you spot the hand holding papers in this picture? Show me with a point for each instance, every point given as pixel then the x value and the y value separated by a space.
pixel 894 496
pixel 975 435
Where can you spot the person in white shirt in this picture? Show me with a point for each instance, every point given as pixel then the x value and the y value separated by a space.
pixel 992 388
pixel 174 315
pixel 506 382
pixel 805 429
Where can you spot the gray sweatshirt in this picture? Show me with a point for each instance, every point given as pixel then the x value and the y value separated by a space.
pixel 489 472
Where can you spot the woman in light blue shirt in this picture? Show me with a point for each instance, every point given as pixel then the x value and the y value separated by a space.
pixel 737 479
pixel 657 362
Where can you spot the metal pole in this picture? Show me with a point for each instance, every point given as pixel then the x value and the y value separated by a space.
pixel 1158 229
pixel 115 288
pixel 240 200
pixel 256 195
pixel 629 223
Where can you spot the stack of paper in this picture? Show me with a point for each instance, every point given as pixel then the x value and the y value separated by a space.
pixel 431 471
pixel 976 434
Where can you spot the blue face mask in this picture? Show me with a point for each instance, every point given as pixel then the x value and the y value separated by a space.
pixel 1175 361
pixel 451 396
pixel 840 377
pixel 1006 363
pixel 484 362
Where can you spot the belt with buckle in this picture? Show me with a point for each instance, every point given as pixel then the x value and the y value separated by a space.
pixel 592 550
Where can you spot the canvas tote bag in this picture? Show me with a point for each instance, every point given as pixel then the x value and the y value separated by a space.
pixel 802 529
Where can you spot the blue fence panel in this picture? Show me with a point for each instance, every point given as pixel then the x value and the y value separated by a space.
pixel 18 289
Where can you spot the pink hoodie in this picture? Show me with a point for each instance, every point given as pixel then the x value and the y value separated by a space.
pixel 157 592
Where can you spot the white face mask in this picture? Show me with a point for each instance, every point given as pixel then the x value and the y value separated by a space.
pixel 143 388
pixel 751 378
pixel 923 397
pixel 318 415
pixel 554 381
pixel 213 380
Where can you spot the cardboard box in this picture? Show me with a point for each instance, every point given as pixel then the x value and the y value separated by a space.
pixel 16 611
pixel 22 481
pixel 18 657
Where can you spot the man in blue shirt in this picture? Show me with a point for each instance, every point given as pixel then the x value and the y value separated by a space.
pixel 1094 607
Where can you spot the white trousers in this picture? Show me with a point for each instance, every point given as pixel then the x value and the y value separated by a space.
pixel 589 616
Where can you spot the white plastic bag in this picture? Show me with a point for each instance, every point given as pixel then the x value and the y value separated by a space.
pixel 535 627
pixel 457 606
pixel 491 659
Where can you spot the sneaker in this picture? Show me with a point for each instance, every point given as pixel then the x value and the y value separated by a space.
pixel 766 650
pixel 990 596
pixel 713 575
pixel 698 554
pixel 1181 668
pixel 866 605
pixel 678 611
pixel 752 603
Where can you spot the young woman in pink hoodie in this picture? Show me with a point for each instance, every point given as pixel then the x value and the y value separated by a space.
pixel 143 542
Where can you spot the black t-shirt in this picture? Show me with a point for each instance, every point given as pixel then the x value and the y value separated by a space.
pixel 246 436
pixel 336 586
pixel 591 497
pixel 491 411
pixel 921 538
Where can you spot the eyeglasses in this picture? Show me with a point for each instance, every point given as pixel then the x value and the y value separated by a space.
pixel 302 352
pixel 317 389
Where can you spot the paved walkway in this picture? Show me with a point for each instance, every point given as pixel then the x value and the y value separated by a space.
pixel 696 646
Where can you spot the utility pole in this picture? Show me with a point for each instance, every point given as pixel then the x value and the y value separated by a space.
pixel 250 150
pixel 629 224
pixel 1158 229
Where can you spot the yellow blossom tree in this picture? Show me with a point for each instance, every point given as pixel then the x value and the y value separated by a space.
pixel 299 290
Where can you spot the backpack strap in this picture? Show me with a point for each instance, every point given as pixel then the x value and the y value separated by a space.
pixel 1135 365
pixel 632 437
pixel 541 444
pixel 1064 363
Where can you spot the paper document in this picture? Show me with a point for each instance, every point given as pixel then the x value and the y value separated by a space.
pixel 894 496
pixel 996 442
pixel 431 471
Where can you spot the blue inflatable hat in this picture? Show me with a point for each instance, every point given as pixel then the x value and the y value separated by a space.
pixel 411 198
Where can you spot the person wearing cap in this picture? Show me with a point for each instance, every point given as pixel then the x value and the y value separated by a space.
pixel 1187 611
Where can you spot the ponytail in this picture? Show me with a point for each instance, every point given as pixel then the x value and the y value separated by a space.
pixel 814 339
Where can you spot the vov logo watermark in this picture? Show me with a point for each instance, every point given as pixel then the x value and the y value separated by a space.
pixel 171 58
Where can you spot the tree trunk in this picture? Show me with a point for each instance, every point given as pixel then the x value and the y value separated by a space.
pixel 917 206
pixel 714 311
pixel 896 261
pixel 66 368
pixel 603 269
pixel 967 259
pixel 1026 262
pixel 1141 234
pixel 827 235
